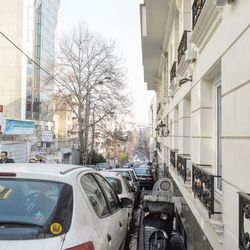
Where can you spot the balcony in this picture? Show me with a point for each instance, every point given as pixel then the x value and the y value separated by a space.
pixel 244 221
pixel 182 46
pixel 206 16
pixel 203 188
pixel 173 155
pixel 182 166
pixel 197 7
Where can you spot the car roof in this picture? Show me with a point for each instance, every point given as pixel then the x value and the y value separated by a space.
pixel 121 169
pixel 110 174
pixel 42 170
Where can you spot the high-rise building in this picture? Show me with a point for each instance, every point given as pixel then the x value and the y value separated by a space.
pixel 30 24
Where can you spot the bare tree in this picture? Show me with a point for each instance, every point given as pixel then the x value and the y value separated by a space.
pixel 89 80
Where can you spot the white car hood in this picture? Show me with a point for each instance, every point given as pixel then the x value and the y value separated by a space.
pixel 54 243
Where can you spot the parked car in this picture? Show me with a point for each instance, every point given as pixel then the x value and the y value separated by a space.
pixel 101 166
pixel 131 177
pixel 145 176
pixel 45 206
pixel 90 166
pixel 118 182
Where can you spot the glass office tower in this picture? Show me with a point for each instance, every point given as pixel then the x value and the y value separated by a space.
pixel 39 89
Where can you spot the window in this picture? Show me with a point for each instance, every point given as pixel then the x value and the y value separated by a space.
pixel 32 204
pixel 116 184
pixel 141 170
pixel 95 195
pixel 125 174
pixel 110 193
pixel 218 163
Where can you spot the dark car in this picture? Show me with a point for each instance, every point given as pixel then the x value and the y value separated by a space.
pixel 145 176
pixel 101 166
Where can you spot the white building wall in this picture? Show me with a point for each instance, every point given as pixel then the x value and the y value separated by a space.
pixel 223 57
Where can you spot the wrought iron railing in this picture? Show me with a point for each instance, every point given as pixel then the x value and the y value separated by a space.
pixel 173 153
pixel 244 214
pixel 182 46
pixel 203 187
pixel 173 72
pixel 197 8
pixel 182 166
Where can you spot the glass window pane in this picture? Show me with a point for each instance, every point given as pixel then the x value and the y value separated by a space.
pixel 95 195
pixel 110 193
pixel 116 184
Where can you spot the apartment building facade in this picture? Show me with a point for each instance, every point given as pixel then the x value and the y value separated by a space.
pixel 195 58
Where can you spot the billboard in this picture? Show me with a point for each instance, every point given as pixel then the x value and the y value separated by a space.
pixel 17 127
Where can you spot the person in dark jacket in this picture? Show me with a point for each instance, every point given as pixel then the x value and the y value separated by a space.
pixel 5 159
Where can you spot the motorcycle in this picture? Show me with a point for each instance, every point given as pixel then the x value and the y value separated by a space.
pixel 158 216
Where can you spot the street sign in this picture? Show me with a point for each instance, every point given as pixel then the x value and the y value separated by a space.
pixel 47 136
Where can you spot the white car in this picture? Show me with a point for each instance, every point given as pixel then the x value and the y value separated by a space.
pixel 118 182
pixel 52 207
pixel 130 175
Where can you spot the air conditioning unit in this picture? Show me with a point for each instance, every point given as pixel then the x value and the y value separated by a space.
pixel 190 55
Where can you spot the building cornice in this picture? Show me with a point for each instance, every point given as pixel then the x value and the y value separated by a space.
pixel 209 19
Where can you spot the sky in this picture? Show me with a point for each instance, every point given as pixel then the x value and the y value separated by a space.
pixel 117 20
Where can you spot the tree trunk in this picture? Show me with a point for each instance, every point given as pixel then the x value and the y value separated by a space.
pixel 92 145
pixel 86 132
pixel 81 141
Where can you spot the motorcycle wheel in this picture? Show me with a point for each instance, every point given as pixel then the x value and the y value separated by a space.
pixel 158 241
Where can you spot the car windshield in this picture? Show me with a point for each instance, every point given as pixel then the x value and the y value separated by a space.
pixel 29 208
pixel 116 184
pixel 142 171
pixel 125 174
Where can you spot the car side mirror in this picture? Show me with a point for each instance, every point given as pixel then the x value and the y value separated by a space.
pixel 126 203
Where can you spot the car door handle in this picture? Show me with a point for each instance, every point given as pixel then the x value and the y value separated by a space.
pixel 120 224
pixel 109 237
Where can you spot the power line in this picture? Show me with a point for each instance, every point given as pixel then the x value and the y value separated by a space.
pixel 17 47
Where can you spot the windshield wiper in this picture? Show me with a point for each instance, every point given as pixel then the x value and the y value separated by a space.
pixel 18 224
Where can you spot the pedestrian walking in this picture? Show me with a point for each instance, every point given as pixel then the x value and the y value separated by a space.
pixel 5 159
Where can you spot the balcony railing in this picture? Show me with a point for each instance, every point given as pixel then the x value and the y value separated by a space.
pixel 203 187
pixel 173 153
pixel 173 72
pixel 182 169
pixel 244 217
pixel 197 7
pixel 182 46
